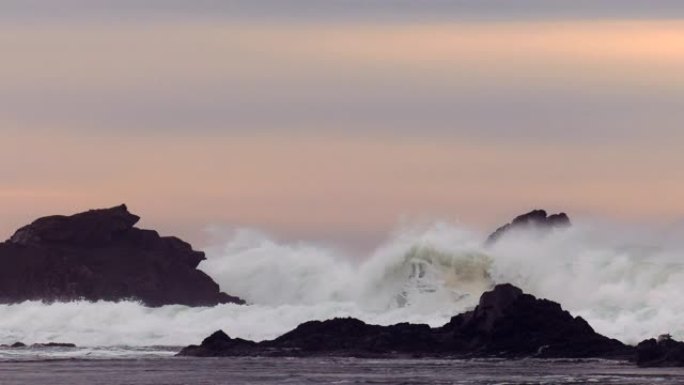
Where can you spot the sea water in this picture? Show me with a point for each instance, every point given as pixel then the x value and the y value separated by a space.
pixel 626 281
pixel 157 367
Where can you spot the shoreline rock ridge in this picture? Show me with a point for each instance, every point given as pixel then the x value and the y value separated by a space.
pixel 101 255
pixel 506 323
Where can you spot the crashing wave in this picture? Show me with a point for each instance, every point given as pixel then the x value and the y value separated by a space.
pixel 626 282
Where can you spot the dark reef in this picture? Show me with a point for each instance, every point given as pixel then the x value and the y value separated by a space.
pixel 506 323
pixel 537 219
pixel 100 255
pixel 21 345
pixel 663 352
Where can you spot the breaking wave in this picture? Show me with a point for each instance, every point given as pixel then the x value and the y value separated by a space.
pixel 625 281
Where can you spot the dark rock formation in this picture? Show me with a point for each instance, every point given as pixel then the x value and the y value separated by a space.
pixel 54 345
pixel 349 336
pixel 18 345
pixel 663 352
pixel 506 323
pixel 537 219
pixel 100 255
pixel 219 344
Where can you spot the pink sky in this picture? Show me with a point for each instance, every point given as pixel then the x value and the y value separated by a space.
pixel 340 131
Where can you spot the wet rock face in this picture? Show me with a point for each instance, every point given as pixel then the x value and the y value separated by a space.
pixel 349 336
pixel 219 344
pixel 664 352
pixel 506 323
pixel 538 219
pixel 101 255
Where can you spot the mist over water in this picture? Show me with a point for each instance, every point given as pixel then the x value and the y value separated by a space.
pixel 626 281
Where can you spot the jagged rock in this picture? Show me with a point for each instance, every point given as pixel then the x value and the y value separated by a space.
pixel 350 336
pixel 219 344
pixel 100 255
pixel 538 219
pixel 664 352
pixel 347 337
pixel 91 228
pixel 506 323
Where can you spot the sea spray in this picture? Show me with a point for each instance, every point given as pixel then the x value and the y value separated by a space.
pixel 624 280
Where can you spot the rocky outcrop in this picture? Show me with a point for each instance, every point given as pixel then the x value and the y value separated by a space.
pixel 219 345
pixel 101 255
pixel 346 337
pixel 349 336
pixel 663 352
pixel 506 323
pixel 536 219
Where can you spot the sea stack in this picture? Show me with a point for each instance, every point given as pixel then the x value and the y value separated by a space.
pixel 535 219
pixel 101 255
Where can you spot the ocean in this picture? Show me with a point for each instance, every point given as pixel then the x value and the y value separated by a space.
pixel 625 281
pixel 143 366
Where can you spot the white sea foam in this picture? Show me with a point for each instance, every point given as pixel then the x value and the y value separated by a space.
pixel 626 282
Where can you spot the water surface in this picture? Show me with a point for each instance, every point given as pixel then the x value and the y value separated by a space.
pixel 157 367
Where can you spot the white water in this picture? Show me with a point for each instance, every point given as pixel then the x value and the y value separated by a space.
pixel 626 282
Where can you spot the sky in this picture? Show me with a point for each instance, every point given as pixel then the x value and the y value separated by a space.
pixel 337 121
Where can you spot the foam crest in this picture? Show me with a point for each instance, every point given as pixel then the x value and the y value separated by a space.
pixel 626 281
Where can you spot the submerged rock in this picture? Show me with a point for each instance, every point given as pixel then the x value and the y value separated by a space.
pixel 54 345
pixel 506 323
pixel 18 345
pixel 663 352
pixel 100 255
pixel 537 219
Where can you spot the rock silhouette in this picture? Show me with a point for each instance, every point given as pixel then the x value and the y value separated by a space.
pixel 663 352
pixel 506 323
pixel 538 219
pixel 100 255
